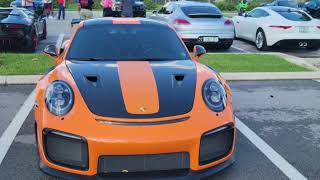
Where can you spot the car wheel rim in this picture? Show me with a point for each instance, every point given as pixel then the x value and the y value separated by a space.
pixel 259 40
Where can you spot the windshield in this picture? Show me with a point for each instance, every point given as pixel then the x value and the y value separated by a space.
pixel 288 4
pixel 127 42
pixel 294 15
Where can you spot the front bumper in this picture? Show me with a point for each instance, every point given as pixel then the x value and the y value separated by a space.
pixel 190 175
pixel 94 155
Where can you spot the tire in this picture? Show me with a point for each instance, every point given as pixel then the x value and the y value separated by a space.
pixel 45 31
pixel 226 46
pixel 261 41
pixel 32 43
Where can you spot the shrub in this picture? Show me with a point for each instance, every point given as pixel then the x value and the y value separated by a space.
pixel 5 3
pixel 150 4
pixel 226 6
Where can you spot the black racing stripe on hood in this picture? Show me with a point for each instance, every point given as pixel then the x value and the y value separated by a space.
pixel 176 82
pixel 104 97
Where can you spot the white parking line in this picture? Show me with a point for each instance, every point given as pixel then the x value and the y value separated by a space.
pixel 290 171
pixel 240 49
pixel 14 127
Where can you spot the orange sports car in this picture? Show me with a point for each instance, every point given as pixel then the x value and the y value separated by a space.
pixel 126 98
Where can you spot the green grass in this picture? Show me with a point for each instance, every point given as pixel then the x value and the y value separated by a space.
pixel 24 64
pixel 249 63
pixel 33 64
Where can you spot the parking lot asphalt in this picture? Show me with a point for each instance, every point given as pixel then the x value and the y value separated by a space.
pixel 56 27
pixel 11 99
pixel 285 114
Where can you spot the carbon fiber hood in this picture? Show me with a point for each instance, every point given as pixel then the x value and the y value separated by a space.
pixel 100 87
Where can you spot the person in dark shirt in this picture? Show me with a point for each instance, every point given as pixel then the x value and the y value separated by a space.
pixel 127 8
pixel 85 9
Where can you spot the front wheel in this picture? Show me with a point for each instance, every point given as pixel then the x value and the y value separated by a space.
pixel 261 41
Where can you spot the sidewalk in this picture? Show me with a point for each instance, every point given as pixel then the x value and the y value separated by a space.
pixel 257 76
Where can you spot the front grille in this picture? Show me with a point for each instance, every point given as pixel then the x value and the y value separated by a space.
pixel 216 144
pixel 65 149
pixel 143 163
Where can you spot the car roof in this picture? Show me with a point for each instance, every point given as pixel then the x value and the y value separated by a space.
pixel 191 3
pixel 104 21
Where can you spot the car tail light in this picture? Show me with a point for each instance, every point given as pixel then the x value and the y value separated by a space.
pixel 228 22
pixel 282 27
pixel 181 22
pixel 15 26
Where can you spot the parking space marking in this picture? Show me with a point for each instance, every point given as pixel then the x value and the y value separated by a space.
pixel 10 133
pixel 290 171
pixel 240 49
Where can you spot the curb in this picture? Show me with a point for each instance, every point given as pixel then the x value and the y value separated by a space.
pixel 257 76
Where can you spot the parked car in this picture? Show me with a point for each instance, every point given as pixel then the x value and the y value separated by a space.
pixel 275 26
pixel 313 8
pixel 197 23
pixel 37 4
pixel 139 8
pixel 21 28
pixel 284 3
pixel 139 106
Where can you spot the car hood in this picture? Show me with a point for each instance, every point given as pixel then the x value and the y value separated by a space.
pixel 136 89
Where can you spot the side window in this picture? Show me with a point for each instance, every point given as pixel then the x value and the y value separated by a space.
pixel 265 14
pixel 258 13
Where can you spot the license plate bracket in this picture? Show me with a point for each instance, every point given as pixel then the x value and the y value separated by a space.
pixel 304 29
pixel 209 39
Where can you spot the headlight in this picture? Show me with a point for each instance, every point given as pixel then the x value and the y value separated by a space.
pixel 59 98
pixel 214 95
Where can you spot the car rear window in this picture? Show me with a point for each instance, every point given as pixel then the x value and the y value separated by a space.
pixel 8 13
pixel 201 12
pixel 127 42
pixel 294 15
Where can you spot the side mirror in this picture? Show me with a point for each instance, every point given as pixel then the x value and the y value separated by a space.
pixel 198 51
pixel 154 12
pixel 50 50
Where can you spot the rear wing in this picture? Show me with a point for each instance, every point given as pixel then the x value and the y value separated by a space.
pixel 75 22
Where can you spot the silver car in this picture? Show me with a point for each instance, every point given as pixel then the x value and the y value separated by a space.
pixel 197 23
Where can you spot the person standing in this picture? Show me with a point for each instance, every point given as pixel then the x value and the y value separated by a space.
pixel 85 9
pixel 47 8
pixel 108 6
pixel 127 8
pixel 28 4
pixel 62 9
